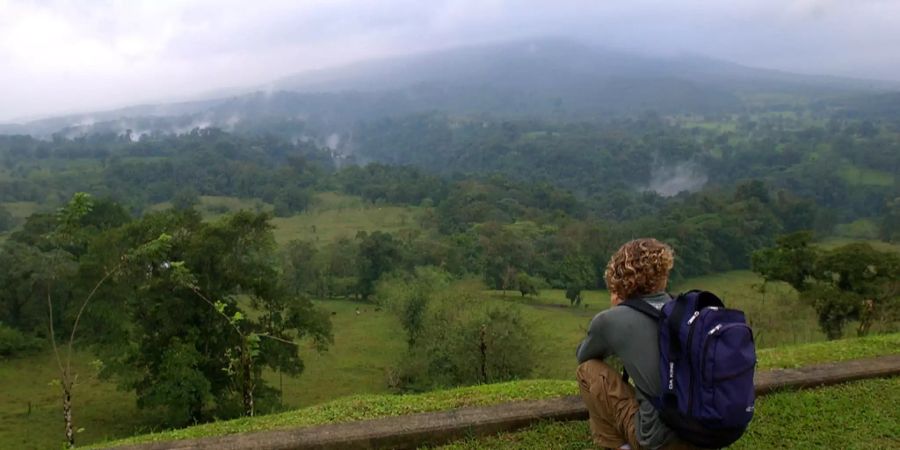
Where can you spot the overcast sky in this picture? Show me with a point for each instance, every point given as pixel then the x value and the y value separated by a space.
pixel 67 56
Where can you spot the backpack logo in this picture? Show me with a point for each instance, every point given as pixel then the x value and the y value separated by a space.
pixel 671 375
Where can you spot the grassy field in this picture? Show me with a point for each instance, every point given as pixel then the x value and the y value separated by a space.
pixel 334 216
pixel 866 177
pixel 330 217
pixel 31 408
pixel 213 206
pixel 770 411
pixel 835 242
pixel 21 210
pixel 849 416
pixel 866 229
pixel 365 346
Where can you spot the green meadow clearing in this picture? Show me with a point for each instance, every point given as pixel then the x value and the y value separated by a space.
pixel 331 216
pixel 367 345
pixel 867 177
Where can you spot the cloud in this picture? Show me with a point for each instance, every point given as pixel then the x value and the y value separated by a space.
pixel 62 55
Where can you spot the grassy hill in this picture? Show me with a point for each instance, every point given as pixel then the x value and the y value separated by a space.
pixel 871 424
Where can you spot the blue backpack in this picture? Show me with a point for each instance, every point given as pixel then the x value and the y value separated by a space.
pixel 706 363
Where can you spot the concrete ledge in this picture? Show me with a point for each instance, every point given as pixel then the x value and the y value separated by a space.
pixel 826 374
pixel 432 428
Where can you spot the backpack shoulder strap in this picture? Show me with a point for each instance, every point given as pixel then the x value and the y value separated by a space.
pixel 643 307
pixel 648 310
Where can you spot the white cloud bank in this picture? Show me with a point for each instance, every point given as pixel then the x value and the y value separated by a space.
pixel 61 55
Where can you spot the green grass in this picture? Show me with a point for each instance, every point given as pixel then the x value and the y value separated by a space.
pixel 793 356
pixel 593 300
pixel 835 242
pixel 860 415
pixel 331 216
pixel 360 407
pixel 214 206
pixel 31 408
pixel 865 229
pixel 334 216
pixel 21 210
pixel 374 406
pixel 866 177
pixel 365 347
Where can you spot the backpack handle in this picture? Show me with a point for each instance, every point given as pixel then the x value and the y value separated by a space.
pixel 684 306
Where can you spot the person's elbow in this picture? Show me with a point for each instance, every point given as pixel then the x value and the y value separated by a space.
pixel 586 351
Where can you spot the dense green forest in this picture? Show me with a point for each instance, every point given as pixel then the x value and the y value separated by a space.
pixel 190 307
pixel 536 197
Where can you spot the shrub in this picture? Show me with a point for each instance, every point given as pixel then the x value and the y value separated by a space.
pixel 453 339
pixel 14 343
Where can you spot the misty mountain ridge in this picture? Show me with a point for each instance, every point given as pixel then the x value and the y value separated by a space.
pixel 553 78
pixel 539 63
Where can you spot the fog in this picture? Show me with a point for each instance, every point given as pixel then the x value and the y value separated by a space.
pixel 669 180
pixel 60 56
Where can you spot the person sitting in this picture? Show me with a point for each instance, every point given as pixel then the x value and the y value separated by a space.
pixel 620 417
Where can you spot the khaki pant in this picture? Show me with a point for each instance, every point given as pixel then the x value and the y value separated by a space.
pixel 612 405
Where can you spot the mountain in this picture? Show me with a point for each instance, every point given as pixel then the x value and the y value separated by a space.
pixel 548 65
pixel 549 78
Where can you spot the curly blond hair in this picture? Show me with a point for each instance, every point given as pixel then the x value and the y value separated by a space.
pixel 639 267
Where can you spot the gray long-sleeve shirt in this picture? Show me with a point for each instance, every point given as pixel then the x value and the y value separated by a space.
pixel 632 337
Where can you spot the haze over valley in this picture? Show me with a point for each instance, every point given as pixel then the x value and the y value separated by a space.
pixel 291 212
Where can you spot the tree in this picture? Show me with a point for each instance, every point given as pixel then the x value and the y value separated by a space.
pixel 22 302
pixel 578 273
pixel 890 223
pixel 527 284
pixel 59 264
pixel 453 338
pixel 862 282
pixel 291 200
pixel 301 267
pixel 504 250
pixel 379 253
pixel 7 221
pixel 792 260
pixel 408 296
pixel 509 279
pixel 185 198
pixel 339 268
pixel 212 315
pixel 852 282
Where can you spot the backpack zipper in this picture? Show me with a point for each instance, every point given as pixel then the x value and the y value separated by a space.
pixel 690 340
pixel 693 318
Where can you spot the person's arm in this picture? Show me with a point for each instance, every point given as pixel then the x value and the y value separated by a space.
pixel 595 345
